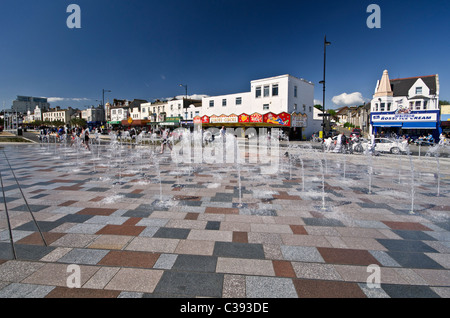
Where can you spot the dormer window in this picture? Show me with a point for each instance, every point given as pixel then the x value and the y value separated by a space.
pixel 419 90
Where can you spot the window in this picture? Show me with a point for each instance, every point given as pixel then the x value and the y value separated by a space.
pixel 418 90
pixel 411 105
pixel 238 100
pixel 389 107
pixel 224 102
pixel 191 115
pixel 310 108
pixel 295 106
pixel 418 105
pixel 258 92
pixel 211 103
pixel 304 107
pixel 376 107
pixel 275 90
pixel 295 91
pixel 425 104
pixel 382 108
pixel 266 107
pixel 266 91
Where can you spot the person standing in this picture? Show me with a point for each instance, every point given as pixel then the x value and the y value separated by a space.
pixel 165 140
pixel 85 132
pixel 223 132
pixel 338 143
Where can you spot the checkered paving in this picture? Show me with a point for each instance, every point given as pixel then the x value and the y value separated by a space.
pixel 140 229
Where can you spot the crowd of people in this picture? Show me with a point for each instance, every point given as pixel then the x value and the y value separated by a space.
pixel 81 135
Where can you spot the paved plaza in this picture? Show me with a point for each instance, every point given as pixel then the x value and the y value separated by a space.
pixel 136 224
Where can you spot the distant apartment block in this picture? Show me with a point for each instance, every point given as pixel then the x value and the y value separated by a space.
pixel 23 104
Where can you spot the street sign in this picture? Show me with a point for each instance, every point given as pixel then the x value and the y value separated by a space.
pixel 324 115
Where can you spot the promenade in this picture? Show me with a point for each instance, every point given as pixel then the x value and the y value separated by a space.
pixel 137 226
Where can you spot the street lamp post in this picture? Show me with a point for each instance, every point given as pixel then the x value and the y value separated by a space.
pixel 184 105
pixel 103 102
pixel 103 96
pixel 185 87
pixel 325 44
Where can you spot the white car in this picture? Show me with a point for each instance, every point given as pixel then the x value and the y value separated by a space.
pixel 388 145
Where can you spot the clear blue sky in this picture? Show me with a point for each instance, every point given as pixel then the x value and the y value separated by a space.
pixel 145 49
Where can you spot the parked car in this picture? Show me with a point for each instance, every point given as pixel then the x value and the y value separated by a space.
pixel 388 145
pixel 356 131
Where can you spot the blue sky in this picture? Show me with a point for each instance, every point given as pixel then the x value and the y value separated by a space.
pixel 145 49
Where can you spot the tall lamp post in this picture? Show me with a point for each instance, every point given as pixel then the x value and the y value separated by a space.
pixel 325 44
pixel 184 106
pixel 103 102
pixel 103 96
pixel 185 87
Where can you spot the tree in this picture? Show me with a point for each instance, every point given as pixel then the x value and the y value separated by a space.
pixel 333 114
pixel 444 102
pixel 78 122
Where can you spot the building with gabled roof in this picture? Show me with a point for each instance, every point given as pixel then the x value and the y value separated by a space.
pixel 406 106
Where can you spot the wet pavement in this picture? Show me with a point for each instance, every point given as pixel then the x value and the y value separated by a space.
pixel 323 225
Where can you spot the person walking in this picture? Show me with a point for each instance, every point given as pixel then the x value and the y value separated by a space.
pixel 85 133
pixel 165 140
pixel 338 143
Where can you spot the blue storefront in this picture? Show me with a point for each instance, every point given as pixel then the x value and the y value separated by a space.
pixel 412 124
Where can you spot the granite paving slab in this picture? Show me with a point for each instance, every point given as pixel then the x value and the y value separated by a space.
pixel 205 231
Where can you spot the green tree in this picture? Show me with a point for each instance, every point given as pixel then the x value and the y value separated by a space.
pixel 78 122
pixel 333 114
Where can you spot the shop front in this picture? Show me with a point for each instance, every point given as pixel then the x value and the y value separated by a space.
pixel 114 124
pixel 171 122
pixel 299 122
pixel 134 123
pixel 413 124
pixel 292 125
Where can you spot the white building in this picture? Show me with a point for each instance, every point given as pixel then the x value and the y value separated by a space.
pixel 93 115
pixel 406 106
pixel 37 113
pixel 119 113
pixel 286 99
pixel 58 114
